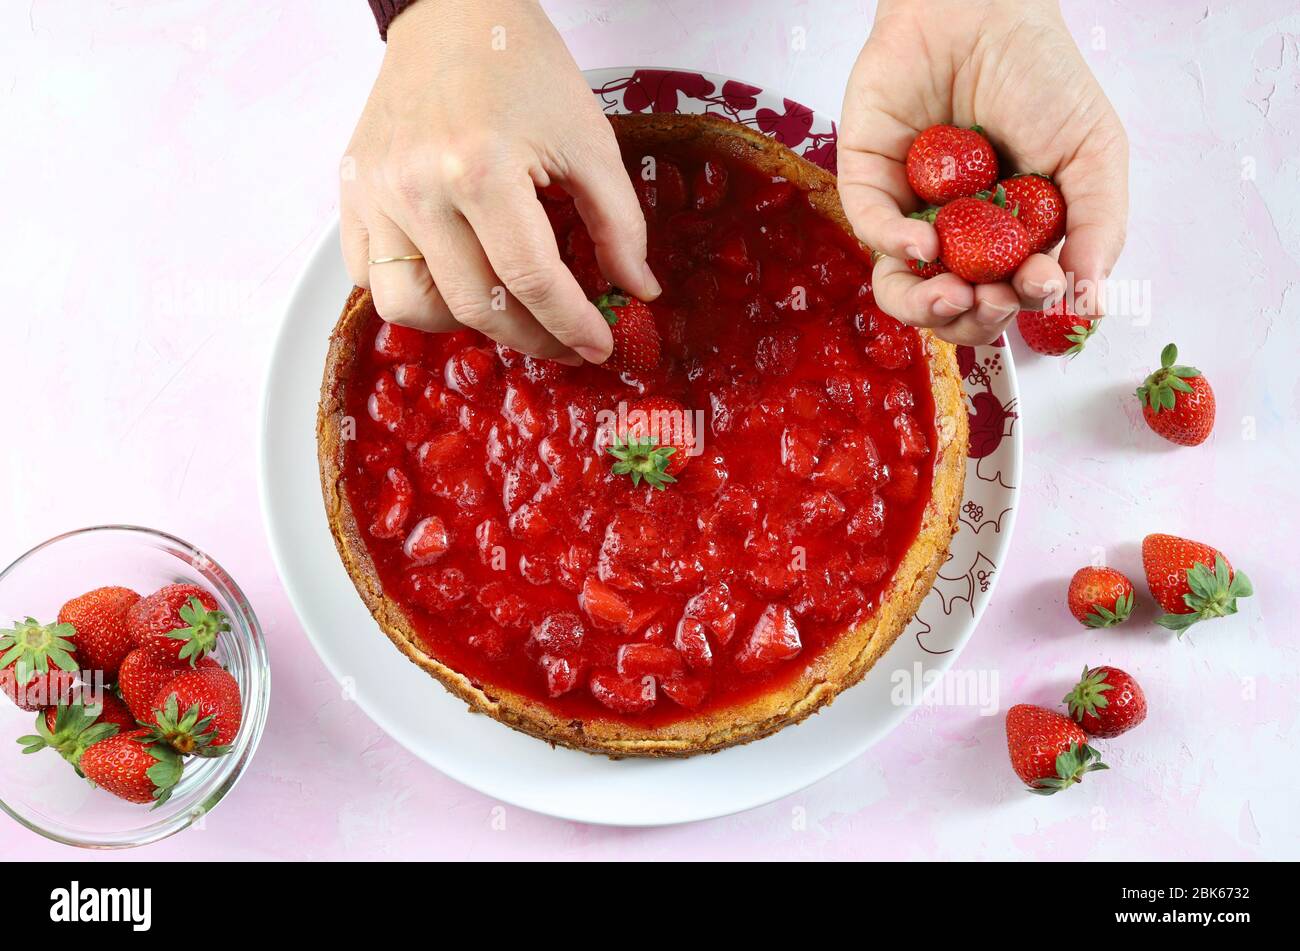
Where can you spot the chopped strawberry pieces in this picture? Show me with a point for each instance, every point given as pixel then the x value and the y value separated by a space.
pixel 473 373
pixel 622 694
pixel 427 540
pixel 395 497
pixel 641 659
pixel 603 604
pixel 775 638
pixel 560 634
pixel 692 643
pixel 686 690
pixel 709 184
pixel 400 344
pixel 562 674
pixel 911 441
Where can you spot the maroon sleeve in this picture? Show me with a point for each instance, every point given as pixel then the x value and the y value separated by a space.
pixel 386 12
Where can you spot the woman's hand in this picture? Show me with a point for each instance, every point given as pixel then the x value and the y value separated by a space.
pixel 476 104
pixel 1012 67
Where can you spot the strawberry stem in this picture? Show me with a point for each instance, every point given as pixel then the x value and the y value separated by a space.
pixel 1071 764
pixel 1213 594
pixel 1160 388
pixel 643 459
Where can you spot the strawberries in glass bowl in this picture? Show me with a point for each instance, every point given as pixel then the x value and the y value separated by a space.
pixel 160 759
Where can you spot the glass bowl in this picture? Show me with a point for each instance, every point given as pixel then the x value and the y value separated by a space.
pixel 41 790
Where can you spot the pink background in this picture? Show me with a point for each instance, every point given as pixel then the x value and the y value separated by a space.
pixel 167 167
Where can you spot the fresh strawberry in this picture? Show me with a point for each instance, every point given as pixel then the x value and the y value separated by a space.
pixel 134 768
pixel 1100 597
pixel 179 622
pixel 1049 751
pixel 1055 331
pixel 653 441
pixel 72 728
pixel 38 663
pixel 1107 702
pixel 945 163
pixel 927 269
pixel 143 674
pixel 108 707
pixel 1191 581
pixel 199 712
pixel 1177 402
pixel 636 338
pixel 99 618
pixel 1040 208
pixel 980 239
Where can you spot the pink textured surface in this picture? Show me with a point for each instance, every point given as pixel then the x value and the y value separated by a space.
pixel 169 167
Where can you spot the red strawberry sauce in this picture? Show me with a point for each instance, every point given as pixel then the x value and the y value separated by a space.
pixel 818 451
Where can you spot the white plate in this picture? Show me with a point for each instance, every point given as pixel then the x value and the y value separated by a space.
pixel 518 769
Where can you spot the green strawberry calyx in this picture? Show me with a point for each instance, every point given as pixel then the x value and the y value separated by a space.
pixel 1101 616
pixel 643 459
pixel 29 647
pixel 1071 764
pixel 1159 390
pixel 76 729
pixel 200 634
pixel 1088 695
pixel 165 773
pixel 609 303
pixel 1213 594
pixel 187 733
pixel 1078 336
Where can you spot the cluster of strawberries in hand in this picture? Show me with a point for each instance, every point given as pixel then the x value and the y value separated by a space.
pixel 1191 582
pixel 987 228
pixel 170 698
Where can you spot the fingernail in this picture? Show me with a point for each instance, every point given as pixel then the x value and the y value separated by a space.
pixel 651 283
pixel 568 359
pixel 914 252
pixel 990 316
pixel 946 308
pixel 592 354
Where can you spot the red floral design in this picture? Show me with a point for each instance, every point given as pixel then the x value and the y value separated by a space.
pixel 740 96
pixel 789 128
pixel 656 89
pixel 987 424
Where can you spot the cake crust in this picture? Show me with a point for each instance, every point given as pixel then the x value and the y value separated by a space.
pixel 837 668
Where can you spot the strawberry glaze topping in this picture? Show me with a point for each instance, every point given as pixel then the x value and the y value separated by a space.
pixel 489 504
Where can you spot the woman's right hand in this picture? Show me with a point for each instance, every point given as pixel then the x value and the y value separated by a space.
pixel 476 105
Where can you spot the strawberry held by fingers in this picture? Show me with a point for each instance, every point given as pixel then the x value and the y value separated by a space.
pixel 637 346
pixel 1049 752
pixel 1040 208
pixel 1177 401
pixel 945 163
pixel 1191 581
pixel 980 238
